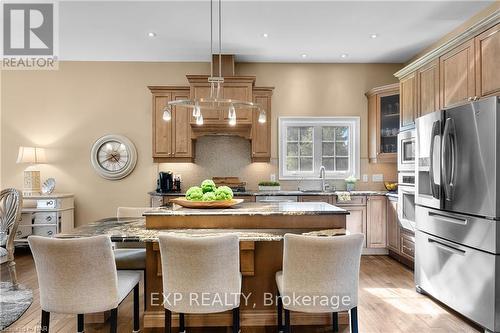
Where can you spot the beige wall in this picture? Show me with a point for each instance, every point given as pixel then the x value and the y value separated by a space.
pixel 67 110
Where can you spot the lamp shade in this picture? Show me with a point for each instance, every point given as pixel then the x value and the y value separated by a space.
pixel 31 155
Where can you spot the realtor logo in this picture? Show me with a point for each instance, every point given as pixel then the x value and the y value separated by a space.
pixel 29 36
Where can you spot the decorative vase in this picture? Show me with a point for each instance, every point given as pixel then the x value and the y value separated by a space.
pixel 350 186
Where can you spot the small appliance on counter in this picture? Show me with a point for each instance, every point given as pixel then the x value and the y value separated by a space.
pixel 167 183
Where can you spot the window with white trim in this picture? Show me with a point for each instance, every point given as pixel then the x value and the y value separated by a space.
pixel 306 144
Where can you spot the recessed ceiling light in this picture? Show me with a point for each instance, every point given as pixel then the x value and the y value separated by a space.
pixel 265 35
pixel 344 55
pixel 303 55
pixel 373 36
pixel 151 34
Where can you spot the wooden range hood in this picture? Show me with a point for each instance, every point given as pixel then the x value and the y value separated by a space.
pixel 174 141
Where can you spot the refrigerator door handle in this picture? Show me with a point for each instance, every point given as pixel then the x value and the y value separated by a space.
pixel 448 219
pixel 446 247
pixel 435 132
pixel 449 153
pixel 454 158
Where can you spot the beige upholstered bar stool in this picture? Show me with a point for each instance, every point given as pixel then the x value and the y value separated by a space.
pixel 78 276
pixel 320 274
pixel 195 268
pixel 131 255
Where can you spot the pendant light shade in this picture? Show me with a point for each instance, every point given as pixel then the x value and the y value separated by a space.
pixel 167 114
pixel 262 117
pixel 196 110
pixel 232 115
pixel 199 120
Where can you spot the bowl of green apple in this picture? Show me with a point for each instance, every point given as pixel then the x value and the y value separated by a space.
pixel 208 195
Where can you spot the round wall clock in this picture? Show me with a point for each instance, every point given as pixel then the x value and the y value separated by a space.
pixel 113 156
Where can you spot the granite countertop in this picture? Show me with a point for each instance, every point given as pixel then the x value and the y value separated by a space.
pixel 252 209
pixel 134 230
pixel 279 193
pixel 392 194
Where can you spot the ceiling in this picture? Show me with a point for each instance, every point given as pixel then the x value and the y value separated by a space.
pixel 297 31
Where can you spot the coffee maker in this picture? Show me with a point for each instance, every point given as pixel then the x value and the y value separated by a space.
pixel 166 183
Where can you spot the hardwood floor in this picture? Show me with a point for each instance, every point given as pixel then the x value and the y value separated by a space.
pixel 387 303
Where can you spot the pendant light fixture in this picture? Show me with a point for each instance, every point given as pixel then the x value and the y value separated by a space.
pixel 262 116
pixel 215 102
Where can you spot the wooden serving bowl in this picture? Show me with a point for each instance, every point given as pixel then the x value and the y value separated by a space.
pixel 206 204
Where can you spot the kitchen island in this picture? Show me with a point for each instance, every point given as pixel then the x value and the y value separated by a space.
pixel 260 228
pixel 260 257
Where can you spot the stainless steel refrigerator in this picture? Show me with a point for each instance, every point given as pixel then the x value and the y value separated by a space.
pixel 457 254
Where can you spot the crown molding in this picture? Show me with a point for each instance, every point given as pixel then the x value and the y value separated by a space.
pixel 475 29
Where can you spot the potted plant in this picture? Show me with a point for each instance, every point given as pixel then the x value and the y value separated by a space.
pixel 350 183
pixel 269 186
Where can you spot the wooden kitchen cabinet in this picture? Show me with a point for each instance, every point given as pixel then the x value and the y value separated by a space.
pixel 383 123
pixel 457 75
pixel 239 92
pixel 487 48
pixel 229 91
pixel 171 139
pixel 162 130
pixel 237 88
pixel 393 234
pixel 376 222
pixel 356 221
pixel 408 90
pixel 261 132
pixel 181 116
pixel 407 245
pixel 427 93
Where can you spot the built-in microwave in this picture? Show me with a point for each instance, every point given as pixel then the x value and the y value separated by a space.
pixel 406 150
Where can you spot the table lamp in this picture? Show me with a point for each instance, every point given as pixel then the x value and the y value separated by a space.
pixel 31 155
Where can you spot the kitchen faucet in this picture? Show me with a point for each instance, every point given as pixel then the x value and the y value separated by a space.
pixel 322 176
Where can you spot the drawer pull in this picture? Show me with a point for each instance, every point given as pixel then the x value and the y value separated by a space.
pixel 448 219
pixel 446 247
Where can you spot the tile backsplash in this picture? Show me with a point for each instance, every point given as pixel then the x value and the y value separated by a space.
pixel 220 155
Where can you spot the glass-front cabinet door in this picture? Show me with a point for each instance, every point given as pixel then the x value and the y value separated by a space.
pixel 383 123
pixel 389 123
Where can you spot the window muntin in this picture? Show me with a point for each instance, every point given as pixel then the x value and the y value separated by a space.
pixel 306 144
pixel 299 146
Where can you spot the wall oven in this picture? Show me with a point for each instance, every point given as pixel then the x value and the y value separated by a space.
pixel 406 199
pixel 406 151
pixel 406 179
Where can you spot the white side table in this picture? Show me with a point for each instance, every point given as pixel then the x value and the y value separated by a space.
pixel 45 215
